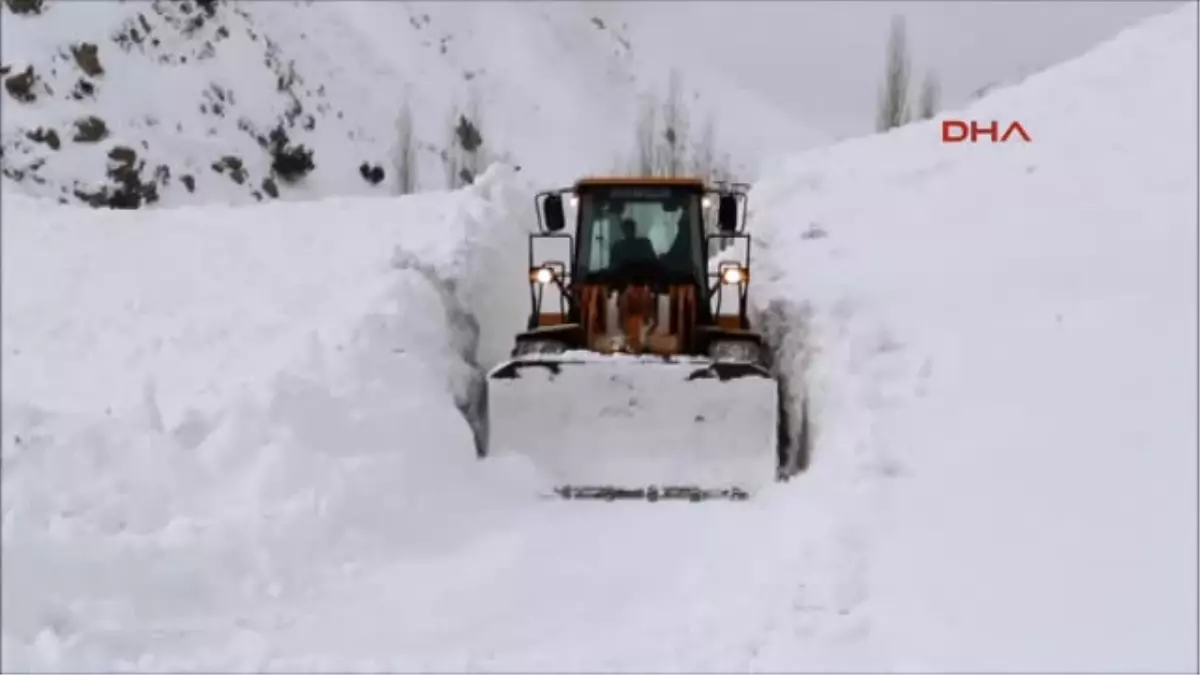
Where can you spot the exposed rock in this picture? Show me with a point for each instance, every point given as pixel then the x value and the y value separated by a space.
pixel 90 130
pixel 371 174
pixel 24 7
pixel 87 57
pixel 20 86
pixel 47 136
pixel 128 190
pixel 83 89
pixel 123 155
pixel 237 170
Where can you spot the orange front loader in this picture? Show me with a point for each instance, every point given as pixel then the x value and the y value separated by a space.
pixel 640 375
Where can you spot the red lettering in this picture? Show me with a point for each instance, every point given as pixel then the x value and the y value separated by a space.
pixel 1016 126
pixel 957 131
pixel 991 130
pixel 953 125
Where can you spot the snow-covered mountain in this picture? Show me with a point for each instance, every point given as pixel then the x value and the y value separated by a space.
pixel 238 438
pixel 188 102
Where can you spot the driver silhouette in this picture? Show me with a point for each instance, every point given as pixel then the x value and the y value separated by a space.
pixel 631 248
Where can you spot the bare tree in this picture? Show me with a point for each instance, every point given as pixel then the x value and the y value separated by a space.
pixel 465 155
pixel 664 145
pixel 645 149
pixel 405 155
pixel 675 128
pixel 893 95
pixel 704 161
pixel 452 155
pixel 984 90
pixel 470 138
pixel 930 96
pixel 723 169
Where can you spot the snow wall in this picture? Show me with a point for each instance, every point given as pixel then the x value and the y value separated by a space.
pixel 263 378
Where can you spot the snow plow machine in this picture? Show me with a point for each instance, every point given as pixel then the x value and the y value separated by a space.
pixel 639 375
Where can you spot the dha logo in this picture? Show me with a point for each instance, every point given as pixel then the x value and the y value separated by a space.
pixel 957 131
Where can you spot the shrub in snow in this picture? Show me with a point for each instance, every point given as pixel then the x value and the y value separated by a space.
pixel 87 58
pixel 90 129
pixel 469 138
pixel 25 6
pixel 127 190
pixel 47 136
pixel 20 86
pixel 235 167
pixel 371 174
pixel 289 162
pixel 83 89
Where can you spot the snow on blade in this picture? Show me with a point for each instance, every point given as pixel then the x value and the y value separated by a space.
pixel 633 422
pixel 1000 351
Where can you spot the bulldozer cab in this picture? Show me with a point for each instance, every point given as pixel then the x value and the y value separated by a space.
pixel 651 234
pixel 638 277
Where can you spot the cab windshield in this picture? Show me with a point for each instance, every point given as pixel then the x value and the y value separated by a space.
pixel 650 227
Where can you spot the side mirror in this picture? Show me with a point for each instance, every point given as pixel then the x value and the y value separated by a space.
pixel 552 213
pixel 727 214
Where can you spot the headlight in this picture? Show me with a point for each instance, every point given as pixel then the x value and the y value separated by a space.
pixel 733 275
pixel 706 202
pixel 543 275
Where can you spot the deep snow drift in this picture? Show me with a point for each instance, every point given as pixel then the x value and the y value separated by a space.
pixel 1015 325
pixel 217 396
pixel 234 438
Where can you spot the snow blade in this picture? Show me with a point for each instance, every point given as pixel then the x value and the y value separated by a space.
pixel 611 426
pixel 652 493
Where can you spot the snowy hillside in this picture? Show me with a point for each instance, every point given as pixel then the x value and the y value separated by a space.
pixel 1003 340
pixel 240 438
pixel 187 102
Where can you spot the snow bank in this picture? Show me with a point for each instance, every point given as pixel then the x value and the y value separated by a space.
pixel 999 347
pixel 199 403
